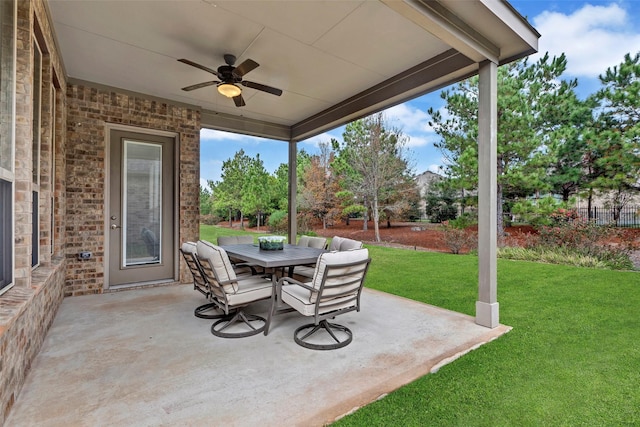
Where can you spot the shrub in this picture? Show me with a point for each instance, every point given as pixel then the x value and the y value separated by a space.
pixel 576 242
pixel 278 222
pixel 544 211
pixel 456 235
pixel 210 219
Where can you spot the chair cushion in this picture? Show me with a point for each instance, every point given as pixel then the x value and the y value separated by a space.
pixel 189 248
pixel 349 244
pixel 227 240
pixel 317 242
pixel 220 264
pixel 335 243
pixel 245 239
pixel 252 288
pixel 336 258
pixel 299 298
pixel 303 241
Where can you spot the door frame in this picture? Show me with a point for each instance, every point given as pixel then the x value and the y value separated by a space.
pixel 107 202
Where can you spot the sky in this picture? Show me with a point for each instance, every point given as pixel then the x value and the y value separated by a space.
pixel 594 35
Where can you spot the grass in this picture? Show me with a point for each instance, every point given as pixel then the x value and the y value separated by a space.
pixel 212 232
pixel 572 358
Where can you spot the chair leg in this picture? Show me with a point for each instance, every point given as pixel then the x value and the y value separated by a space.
pixel 238 319
pixel 209 311
pixel 330 328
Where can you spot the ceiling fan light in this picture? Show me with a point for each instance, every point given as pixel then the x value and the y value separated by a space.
pixel 229 90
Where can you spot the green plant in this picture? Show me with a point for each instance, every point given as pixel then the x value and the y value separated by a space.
pixel 457 236
pixel 583 237
pixel 544 211
pixel 278 222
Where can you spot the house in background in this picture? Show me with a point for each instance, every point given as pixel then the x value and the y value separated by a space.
pixel 99 146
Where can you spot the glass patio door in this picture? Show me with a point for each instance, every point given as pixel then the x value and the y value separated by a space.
pixel 141 217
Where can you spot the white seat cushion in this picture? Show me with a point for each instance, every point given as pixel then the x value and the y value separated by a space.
pixel 189 248
pixel 335 243
pixel 299 298
pixel 251 289
pixel 334 258
pixel 219 261
pixel 349 244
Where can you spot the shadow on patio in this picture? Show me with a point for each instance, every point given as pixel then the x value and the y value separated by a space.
pixel 141 357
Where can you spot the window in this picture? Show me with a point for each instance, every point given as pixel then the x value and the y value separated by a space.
pixel 37 109
pixel 7 113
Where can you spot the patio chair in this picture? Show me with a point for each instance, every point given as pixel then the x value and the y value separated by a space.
pixel 349 244
pixel 334 290
pixel 337 244
pixel 200 283
pixel 238 264
pixel 232 293
pixel 311 242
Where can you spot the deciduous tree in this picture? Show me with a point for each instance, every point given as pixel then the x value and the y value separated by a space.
pixel 376 165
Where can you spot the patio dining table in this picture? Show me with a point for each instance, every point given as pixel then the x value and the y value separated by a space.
pixel 288 256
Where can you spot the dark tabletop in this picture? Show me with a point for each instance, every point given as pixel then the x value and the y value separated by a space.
pixel 290 255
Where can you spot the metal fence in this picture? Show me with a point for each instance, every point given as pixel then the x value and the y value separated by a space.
pixel 628 216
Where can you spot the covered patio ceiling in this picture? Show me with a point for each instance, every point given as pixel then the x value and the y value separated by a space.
pixel 334 60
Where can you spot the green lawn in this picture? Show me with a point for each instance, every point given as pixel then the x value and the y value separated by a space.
pixel 572 358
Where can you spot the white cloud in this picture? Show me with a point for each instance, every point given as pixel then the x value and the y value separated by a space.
pixel 411 120
pixel 418 141
pixel 593 38
pixel 323 137
pixel 210 169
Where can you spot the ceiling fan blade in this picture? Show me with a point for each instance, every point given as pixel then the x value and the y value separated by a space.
pixel 202 67
pixel 199 85
pixel 239 101
pixel 245 67
pixel 264 88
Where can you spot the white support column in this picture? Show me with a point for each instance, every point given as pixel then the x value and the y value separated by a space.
pixel 487 313
pixel 293 191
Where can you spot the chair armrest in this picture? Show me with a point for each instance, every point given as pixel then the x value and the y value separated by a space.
pixel 292 281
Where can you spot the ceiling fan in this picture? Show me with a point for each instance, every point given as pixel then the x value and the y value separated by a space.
pixel 230 77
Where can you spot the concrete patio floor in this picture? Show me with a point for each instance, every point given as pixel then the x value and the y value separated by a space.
pixel 141 358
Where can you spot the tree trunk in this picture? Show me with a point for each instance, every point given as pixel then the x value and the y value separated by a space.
pixel 589 203
pixel 230 218
pixel 376 218
pixel 241 220
pixel 365 224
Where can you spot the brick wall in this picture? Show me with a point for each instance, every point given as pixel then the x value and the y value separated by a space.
pixel 89 110
pixel 23 331
pixel 27 310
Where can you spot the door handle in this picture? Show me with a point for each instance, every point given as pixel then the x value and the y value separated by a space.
pixel 113 226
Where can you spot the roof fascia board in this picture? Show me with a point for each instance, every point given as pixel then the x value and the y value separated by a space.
pixel 377 98
pixel 243 125
pixel 442 23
